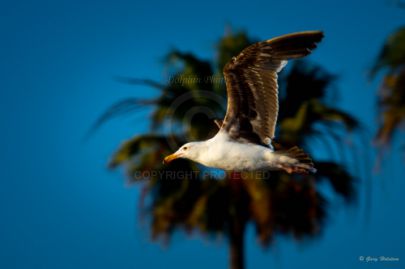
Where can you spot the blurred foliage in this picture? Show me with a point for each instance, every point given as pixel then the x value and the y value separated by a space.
pixel 182 195
pixel 391 99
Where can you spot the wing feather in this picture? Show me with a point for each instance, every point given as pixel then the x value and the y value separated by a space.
pixel 252 88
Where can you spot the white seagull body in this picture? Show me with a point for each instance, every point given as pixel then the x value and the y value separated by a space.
pixel 224 153
pixel 243 142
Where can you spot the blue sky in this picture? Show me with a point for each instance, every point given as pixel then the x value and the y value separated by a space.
pixel 61 208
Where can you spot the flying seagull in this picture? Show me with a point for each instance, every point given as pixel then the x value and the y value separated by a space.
pixel 243 142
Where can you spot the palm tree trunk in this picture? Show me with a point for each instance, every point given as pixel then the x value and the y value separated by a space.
pixel 237 223
pixel 237 257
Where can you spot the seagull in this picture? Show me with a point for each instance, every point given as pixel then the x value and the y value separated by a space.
pixel 244 139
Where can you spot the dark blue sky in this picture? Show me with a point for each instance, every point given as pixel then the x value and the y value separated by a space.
pixel 61 208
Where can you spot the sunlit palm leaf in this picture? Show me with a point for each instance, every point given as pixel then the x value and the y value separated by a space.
pixel 391 100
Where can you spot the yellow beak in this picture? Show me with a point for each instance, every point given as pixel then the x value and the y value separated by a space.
pixel 170 158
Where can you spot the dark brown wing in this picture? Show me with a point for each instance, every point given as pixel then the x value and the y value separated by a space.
pixel 251 81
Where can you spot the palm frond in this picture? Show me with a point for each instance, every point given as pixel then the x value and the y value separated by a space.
pixel 121 108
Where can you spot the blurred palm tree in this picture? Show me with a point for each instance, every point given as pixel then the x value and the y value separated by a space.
pixel 391 99
pixel 191 197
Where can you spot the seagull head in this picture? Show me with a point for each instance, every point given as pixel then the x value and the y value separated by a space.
pixel 189 151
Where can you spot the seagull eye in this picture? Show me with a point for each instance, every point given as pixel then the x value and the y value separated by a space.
pixel 184 148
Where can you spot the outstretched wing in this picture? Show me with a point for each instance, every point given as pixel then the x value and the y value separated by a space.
pixel 251 81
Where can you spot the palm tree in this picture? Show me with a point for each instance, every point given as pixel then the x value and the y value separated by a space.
pixel 391 99
pixel 193 198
